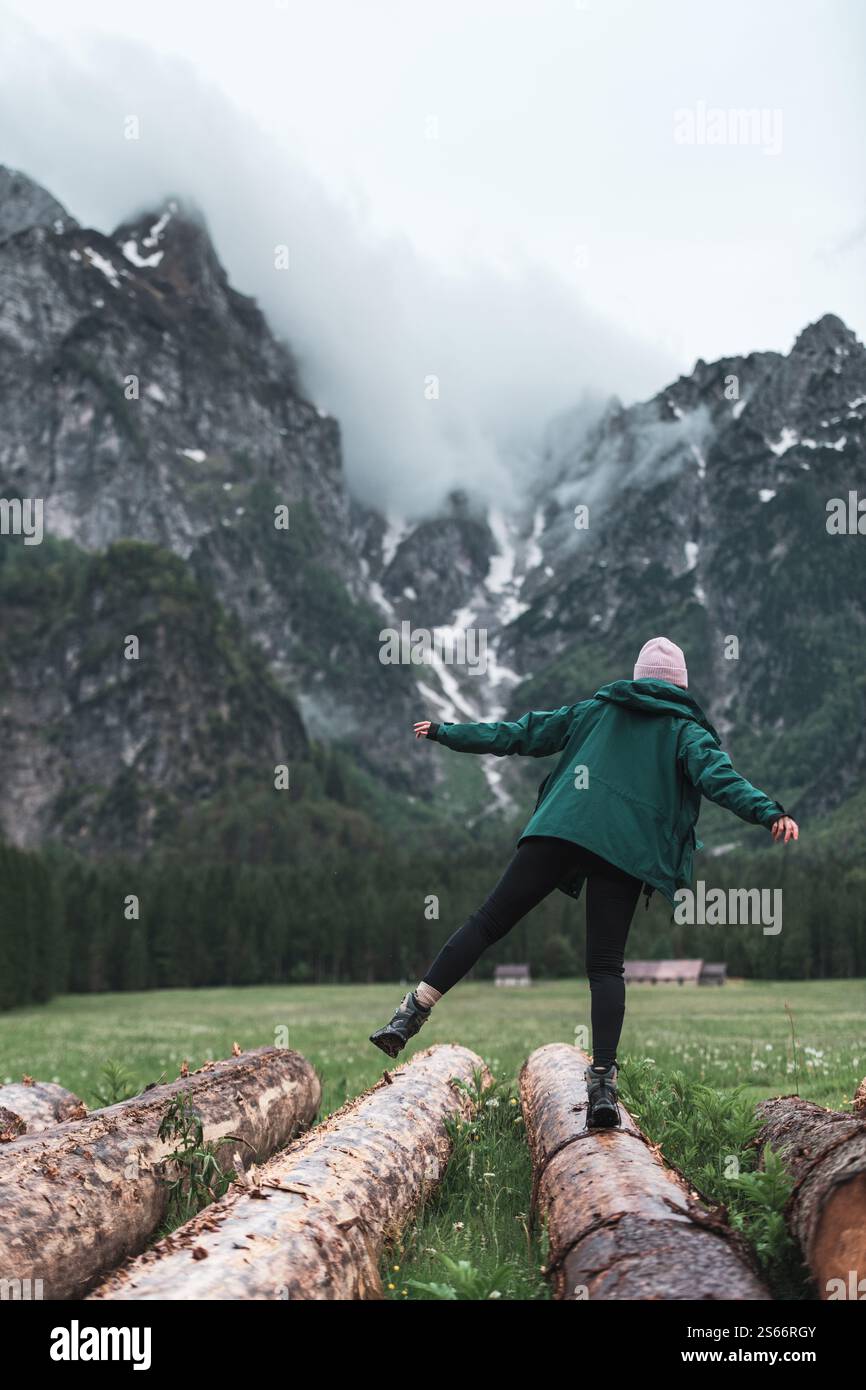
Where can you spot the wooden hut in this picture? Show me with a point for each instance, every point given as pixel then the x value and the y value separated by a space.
pixel 512 975
pixel 663 972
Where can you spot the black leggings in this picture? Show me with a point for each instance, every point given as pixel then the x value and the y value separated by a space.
pixel 540 865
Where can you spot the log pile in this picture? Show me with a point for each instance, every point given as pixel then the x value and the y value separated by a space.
pixel 621 1224
pixel 825 1153
pixel 314 1226
pixel 79 1197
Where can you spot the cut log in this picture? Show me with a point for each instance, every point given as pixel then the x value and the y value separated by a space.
pixel 78 1199
pixel 621 1224
pixel 40 1104
pixel 11 1125
pixel 825 1153
pixel 315 1225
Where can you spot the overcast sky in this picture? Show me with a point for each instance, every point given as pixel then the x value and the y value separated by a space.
pixel 518 192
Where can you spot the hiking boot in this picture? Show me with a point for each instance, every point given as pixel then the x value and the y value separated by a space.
pixel 403 1026
pixel 602 1111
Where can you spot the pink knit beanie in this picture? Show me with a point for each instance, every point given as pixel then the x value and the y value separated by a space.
pixel 662 660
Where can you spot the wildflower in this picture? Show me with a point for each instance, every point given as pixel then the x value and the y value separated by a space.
pixel 392 1286
pixel 513 1100
pixel 458 1225
pixel 395 1267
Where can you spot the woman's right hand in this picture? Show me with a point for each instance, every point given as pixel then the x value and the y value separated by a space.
pixel 423 728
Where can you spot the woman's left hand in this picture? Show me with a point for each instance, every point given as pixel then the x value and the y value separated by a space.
pixel 787 825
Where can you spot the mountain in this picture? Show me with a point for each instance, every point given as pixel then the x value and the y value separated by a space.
pixel 109 739
pixel 166 429
pixel 145 399
pixel 708 520
pixel 25 204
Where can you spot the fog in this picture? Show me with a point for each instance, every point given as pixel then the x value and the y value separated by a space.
pixel 371 320
pixel 524 203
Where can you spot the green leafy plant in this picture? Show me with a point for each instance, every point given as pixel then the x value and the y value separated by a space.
pixel 796 1050
pixel 192 1171
pixel 465 1281
pixel 116 1084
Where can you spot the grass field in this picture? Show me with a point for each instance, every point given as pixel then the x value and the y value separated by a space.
pixel 744 1041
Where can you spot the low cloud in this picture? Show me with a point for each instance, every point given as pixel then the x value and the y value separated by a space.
pixel 370 321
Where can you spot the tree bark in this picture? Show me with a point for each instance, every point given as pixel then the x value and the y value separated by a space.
pixel 39 1104
pixel 11 1125
pixel 77 1199
pixel 315 1225
pixel 621 1224
pixel 825 1153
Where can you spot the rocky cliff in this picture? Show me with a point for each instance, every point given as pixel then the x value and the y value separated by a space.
pixel 144 400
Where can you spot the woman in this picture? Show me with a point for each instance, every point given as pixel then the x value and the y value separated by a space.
pixel 618 812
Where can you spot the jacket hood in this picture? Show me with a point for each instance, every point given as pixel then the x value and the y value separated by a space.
pixel 656 697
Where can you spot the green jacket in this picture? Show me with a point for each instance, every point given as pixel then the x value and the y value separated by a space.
pixel 636 759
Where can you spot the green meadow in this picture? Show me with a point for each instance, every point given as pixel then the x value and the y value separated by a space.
pixel 694 1061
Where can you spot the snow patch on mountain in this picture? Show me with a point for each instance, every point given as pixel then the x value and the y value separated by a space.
pixel 103 264
pixel 438 703
pixel 134 256
pixel 396 531
pixel 501 572
pixel 534 553
pixel 378 597
pixel 787 439
pixel 503 801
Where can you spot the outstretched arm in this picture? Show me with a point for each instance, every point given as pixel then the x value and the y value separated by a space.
pixel 711 770
pixel 535 735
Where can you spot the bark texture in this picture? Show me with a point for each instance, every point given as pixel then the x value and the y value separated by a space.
pixel 825 1153
pixel 39 1104
pixel 621 1224
pixel 77 1199
pixel 11 1125
pixel 315 1225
